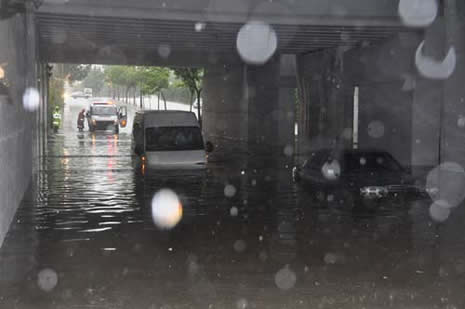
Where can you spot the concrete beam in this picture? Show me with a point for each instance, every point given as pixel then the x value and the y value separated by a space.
pixel 318 12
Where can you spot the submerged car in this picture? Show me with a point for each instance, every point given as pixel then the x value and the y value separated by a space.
pixel 366 177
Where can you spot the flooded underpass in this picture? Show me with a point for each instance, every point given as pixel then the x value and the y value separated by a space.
pixel 249 237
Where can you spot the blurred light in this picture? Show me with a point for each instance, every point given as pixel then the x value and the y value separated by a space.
pixel 2 72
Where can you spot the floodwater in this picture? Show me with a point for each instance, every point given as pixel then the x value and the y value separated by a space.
pixel 84 237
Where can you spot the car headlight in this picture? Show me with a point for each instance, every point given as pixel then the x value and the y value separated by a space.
pixel 374 191
pixel 94 122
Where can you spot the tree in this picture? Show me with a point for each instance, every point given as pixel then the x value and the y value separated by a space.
pixel 95 80
pixel 192 78
pixel 115 76
pixel 152 80
pixel 71 72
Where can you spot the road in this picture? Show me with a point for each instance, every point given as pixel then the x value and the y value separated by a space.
pixel 84 237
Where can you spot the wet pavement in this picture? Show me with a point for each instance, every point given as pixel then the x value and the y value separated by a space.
pixel 84 237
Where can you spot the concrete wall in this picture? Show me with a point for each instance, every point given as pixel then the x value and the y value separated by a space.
pixel 385 75
pixel 18 128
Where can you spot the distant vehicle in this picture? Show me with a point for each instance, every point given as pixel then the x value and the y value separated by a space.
pixel 78 94
pixel 366 177
pixel 169 139
pixel 106 115
pixel 88 92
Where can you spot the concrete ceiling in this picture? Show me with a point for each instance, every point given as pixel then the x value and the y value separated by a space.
pixel 111 33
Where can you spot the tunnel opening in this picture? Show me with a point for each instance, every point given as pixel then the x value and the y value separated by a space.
pixel 248 155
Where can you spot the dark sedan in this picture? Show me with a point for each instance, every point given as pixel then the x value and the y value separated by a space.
pixel 364 177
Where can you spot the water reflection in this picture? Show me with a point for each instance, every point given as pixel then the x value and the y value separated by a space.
pixel 91 223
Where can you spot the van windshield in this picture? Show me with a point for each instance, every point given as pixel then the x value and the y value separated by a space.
pixel 173 138
pixel 104 110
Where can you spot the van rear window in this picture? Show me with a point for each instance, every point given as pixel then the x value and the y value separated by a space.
pixel 173 138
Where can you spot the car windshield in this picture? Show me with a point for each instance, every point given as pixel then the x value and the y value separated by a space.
pixel 173 138
pixel 104 110
pixel 370 161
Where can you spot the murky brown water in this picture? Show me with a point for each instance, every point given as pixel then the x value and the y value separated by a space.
pixel 84 238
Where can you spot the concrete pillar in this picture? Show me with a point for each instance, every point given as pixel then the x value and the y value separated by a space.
pixel 225 108
pixel 250 108
pixel 17 127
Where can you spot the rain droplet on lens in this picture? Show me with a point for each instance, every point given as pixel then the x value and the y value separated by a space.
pixel 331 170
pixel 31 99
pixel 242 303
pixel 234 211
pixel 376 129
pixel 439 213
pixel 461 121
pixel 256 42
pixel 164 50
pixel 446 182
pixel 330 258
pixel 199 26
pixel 240 246
pixel 288 150
pixel 285 278
pixel 418 13
pixel 433 69
pixel 166 209
pixel 229 190
pixel 47 279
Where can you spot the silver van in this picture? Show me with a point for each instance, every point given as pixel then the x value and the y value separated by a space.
pixel 169 139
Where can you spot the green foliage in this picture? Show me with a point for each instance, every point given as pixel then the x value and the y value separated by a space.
pixel 71 72
pixel 150 80
pixel 153 79
pixel 191 78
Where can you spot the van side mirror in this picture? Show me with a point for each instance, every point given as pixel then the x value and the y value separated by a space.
pixel 209 147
